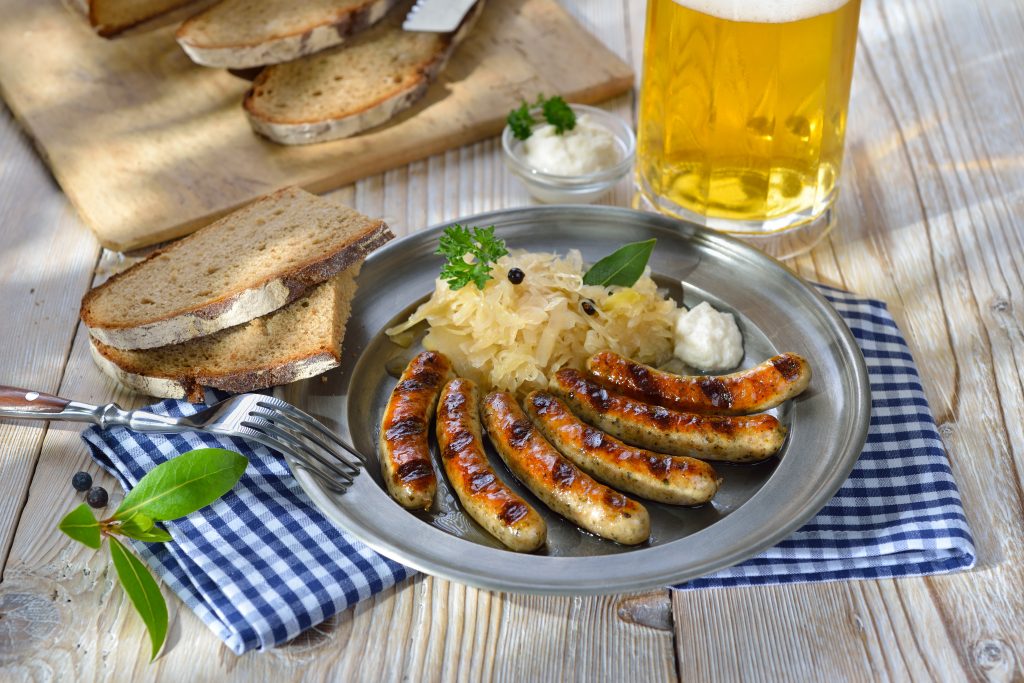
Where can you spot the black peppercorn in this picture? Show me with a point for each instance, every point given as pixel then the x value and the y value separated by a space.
pixel 515 275
pixel 82 481
pixel 588 307
pixel 97 497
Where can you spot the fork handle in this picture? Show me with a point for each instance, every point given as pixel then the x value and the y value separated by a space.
pixel 28 404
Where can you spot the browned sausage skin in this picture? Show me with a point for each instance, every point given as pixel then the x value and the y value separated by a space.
pixel 405 428
pixel 759 388
pixel 485 497
pixel 664 478
pixel 557 482
pixel 708 437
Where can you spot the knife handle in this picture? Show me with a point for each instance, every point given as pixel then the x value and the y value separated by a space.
pixel 16 402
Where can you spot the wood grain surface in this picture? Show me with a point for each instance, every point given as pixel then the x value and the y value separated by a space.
pixel 931 217
pixel 149 146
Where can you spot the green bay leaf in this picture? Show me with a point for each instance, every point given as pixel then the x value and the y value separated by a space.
pixel 81 525
pixel 143 591
pixel 154 535
pixel 184 484
pixel 138 522
pixel 141 527
pixel 622 267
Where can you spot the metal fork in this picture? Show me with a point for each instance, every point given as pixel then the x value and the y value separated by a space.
pixel 270 421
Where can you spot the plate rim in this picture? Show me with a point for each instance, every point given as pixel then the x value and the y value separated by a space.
pixel 536 583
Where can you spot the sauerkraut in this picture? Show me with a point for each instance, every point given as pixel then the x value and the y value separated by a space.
pixel 513 337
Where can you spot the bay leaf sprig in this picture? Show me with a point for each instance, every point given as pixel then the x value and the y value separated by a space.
pixel 622 267
pixel 170 490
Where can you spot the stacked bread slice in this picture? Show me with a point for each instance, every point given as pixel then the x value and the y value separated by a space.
pixel 258 298
pixel 333 68
pixel 327 69
pixel 359 85
pixel 241 34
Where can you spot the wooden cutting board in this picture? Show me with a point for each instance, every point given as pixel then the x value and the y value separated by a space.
pixel 149 146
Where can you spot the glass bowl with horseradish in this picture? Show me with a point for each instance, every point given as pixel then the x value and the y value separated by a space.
pixel 569 154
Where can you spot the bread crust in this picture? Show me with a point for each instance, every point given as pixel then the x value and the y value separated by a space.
pixel 190 385
pixel 89 8
pixel 298 132
pixel 291 131
pixel 282 47
pixel 231 308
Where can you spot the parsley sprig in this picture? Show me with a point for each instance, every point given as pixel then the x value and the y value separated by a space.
pixel 556 111
pixel 559 114
pixel 521 122
pixel 479 244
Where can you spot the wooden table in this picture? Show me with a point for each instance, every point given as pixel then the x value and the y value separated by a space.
pixel 931 220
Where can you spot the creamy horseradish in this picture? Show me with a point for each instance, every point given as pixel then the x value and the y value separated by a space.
pixel 587 148
pixel 707 339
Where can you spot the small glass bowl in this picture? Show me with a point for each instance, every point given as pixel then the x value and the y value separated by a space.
pixel 572 189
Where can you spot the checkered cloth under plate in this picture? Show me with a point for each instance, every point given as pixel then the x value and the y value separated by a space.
pixel 899 513
pixel 262 564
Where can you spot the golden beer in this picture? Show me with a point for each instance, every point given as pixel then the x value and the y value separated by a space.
pixel 743 109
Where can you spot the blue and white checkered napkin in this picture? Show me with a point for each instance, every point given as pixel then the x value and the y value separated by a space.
pixel 262 564
pixel 899 513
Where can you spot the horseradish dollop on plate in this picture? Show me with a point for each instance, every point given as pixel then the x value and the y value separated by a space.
pixel 707 339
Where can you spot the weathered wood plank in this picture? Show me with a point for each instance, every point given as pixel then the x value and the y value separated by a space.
pixel 45 263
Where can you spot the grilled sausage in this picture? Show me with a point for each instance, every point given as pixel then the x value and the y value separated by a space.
pixel 760 388
pixel 664 478
pixel 484 496
pixel 404 450
pixel 562 486
pixel 709 437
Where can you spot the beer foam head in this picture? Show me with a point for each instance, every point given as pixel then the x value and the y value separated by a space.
pixel 763 11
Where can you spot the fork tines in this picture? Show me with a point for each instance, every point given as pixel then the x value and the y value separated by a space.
pixel 317 449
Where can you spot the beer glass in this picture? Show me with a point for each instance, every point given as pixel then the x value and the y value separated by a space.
pixel 743 112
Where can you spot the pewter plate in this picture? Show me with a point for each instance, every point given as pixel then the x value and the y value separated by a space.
pixel 757 506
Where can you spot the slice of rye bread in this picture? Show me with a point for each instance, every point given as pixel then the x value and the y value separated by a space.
pixel 361 84
pixel 110 17
pixel 247 264
pixel 240 34
pixel 301 340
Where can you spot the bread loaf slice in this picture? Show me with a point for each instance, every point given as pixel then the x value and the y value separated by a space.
pixel 361 84
pixel 245 265
pixel 110 17
pixel 301 340
pixel 240 34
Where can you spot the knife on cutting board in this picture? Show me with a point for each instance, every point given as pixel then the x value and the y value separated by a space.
pixel 436 16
